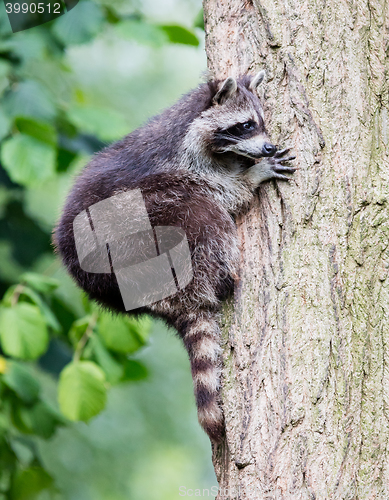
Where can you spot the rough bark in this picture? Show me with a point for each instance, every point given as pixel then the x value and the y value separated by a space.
pixel 306 354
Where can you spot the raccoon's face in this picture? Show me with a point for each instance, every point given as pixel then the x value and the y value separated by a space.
pixel 236 120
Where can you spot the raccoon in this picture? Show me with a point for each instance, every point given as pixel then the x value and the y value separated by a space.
pixel 197 165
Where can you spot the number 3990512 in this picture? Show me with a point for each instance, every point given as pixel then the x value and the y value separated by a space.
pixel 40 8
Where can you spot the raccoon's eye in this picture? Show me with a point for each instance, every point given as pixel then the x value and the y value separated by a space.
pixel 242 128
pixel 248 125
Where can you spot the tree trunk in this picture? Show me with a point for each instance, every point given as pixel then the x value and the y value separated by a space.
pixel 306 337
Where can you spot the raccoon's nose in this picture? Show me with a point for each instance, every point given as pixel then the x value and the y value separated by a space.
pixel 268 149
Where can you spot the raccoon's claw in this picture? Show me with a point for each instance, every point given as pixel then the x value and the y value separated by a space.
pixel 281 177
pixel 278 175
pixel 281 152
pixel 278 168
pixel 282 168
pixel 281 160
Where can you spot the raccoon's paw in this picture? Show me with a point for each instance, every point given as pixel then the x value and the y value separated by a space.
pixel 277 167
pixel 270 168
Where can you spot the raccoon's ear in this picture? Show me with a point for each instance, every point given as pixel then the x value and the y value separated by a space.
pixel 257 80
pixel 228 88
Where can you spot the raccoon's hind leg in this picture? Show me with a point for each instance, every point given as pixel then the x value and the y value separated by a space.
pixel 201 336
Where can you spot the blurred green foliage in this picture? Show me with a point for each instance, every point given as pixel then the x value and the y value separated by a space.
pixel 68 88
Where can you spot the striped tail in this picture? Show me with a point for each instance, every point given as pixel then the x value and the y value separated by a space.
pixel 202 341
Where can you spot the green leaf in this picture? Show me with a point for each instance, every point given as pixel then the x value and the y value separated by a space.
pixel 20 380
pixel 86 303
pixel 28 483
pixel 7 460
pixel 78 329
pixel 39 419
pixel 64 159
pixel 199 20
pixel 30 98
pixel 143 326
pixel 134 370
pixel 79 25
pixel 178 34
pixel 50 317
pixel 121 334
pixel 39 282
pixel 112 369
pixel 26 45
pixel 26 294
pixel 23 331
pixel 10 268
pixel 5 70
pixel 5 475
pixel 141 32
pixel 4 424
pixel 8 296
pixel 104 123
pixel 42 131
pixel 81 390
pixel 41 202
pixel 5 125
pixel 27 160
pixel 23 451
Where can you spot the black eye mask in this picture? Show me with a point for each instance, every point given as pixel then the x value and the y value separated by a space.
pixel 246 129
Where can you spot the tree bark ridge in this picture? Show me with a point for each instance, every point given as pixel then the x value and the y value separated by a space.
pixel 306 354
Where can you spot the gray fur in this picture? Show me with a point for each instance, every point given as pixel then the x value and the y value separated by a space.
pixel 257 80
pixel 227 89
pixel 197 165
